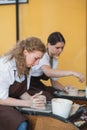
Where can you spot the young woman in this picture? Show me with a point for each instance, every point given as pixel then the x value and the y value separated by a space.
pixel 14 83
pixel 47 68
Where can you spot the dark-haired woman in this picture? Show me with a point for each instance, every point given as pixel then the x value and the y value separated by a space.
pixel 47 68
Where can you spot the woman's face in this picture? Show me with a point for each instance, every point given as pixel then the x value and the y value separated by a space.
pixel 55 50
pixel 32 58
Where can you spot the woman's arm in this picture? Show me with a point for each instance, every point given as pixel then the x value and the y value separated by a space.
pixel 55 73
pixel 14 102
pixel 36 101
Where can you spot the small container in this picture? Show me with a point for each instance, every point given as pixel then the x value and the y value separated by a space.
pixel 61 107
pixel 73 92
pixel 86 91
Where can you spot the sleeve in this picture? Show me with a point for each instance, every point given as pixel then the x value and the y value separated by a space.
pixel 5 82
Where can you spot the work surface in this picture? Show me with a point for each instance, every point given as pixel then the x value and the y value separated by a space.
pixel 41 120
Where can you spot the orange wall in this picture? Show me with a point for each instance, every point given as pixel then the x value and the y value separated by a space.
pixel 40 18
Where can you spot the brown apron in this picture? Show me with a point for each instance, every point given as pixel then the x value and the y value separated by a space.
pixel 36 86
pixel 10 117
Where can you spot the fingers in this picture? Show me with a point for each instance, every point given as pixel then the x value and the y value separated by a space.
pixel 41 99
pixel 81 81
pixel 80 76
pixel 39 102
pixel 37 94
pixel 39 106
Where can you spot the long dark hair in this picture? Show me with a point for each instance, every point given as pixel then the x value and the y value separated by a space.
pixel 55 37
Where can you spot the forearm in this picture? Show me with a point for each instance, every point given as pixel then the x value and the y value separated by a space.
pixel 55 73
pixel 14 102
pixel 35 101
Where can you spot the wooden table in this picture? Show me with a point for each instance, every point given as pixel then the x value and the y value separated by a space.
pixel 48 123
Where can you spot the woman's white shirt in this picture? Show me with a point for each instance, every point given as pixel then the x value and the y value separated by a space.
pixel 45 60
pixel 8 75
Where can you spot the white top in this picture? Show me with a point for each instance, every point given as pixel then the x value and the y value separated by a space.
pixel 8 75
pixel 45 60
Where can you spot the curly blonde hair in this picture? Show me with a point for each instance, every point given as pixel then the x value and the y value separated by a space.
pixel 30 44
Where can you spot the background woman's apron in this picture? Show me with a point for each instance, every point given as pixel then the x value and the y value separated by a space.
pixel 10 118
pixel 36 86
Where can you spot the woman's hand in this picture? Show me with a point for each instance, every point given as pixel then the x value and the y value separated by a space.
pixel 80 76
pixel 38 101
